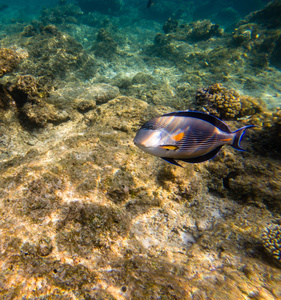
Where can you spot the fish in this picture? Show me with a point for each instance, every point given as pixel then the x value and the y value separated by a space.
pixel 188 136
pixel 150 3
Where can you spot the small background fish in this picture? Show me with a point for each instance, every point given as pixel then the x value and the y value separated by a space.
pixel 188 136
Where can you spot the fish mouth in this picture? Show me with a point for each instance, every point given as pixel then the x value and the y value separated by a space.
pixel 147 138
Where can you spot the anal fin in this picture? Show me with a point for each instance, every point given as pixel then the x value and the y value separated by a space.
pixel 171 161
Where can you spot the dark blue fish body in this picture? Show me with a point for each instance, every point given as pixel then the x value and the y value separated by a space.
pixel 186 135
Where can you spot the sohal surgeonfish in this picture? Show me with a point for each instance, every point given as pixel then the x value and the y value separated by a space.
pixel 189 136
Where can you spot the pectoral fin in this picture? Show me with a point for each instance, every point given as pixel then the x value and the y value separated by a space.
pixel 170 147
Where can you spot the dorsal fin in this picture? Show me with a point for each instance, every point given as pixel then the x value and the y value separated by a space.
pixel 203 116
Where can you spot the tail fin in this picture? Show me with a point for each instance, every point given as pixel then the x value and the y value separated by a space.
pixel 238 137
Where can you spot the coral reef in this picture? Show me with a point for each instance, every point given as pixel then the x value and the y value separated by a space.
pixel 226 104
pixel 271 239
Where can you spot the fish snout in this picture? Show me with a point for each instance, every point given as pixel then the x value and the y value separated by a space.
pixel 147 138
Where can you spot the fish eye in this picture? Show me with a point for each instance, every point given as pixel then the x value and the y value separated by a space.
pixel 147 126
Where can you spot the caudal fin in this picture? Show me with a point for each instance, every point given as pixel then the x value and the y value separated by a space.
pixel 238 137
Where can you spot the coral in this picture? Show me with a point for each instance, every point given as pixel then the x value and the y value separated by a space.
pixel 9 60
pixel 271 239
pixel 226 104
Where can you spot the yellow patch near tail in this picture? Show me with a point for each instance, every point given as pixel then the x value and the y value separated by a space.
pixel 178 137
pixel 169 147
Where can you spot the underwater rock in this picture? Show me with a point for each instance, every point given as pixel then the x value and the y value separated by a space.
pixel 269 16
pixel 102 92
pixel 68 13
pixel 82 227
pixel 55 55
pixel 275 58
pixel 268 133
pixel 30 99
pixel 259 35
pixel 142 78
pixel 39 113
pixel 195 31
pixel 271 239
pixel 250 177
pixel 105 45
pixel 170 25
pixel 245 33
pixel 6 99
pixel 202 30
pixel 122 81
pixel 226 104
pixel 9 60
pixel 85 213
pixel 29 31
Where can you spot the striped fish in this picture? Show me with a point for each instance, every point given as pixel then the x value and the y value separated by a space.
pixel 188 136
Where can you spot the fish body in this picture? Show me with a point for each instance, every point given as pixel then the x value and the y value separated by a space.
pixel 189 136
pixel 150 3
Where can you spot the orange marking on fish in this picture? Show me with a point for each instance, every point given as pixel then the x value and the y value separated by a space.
pixel 169 147
pixel 226 140
pixel 178 137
